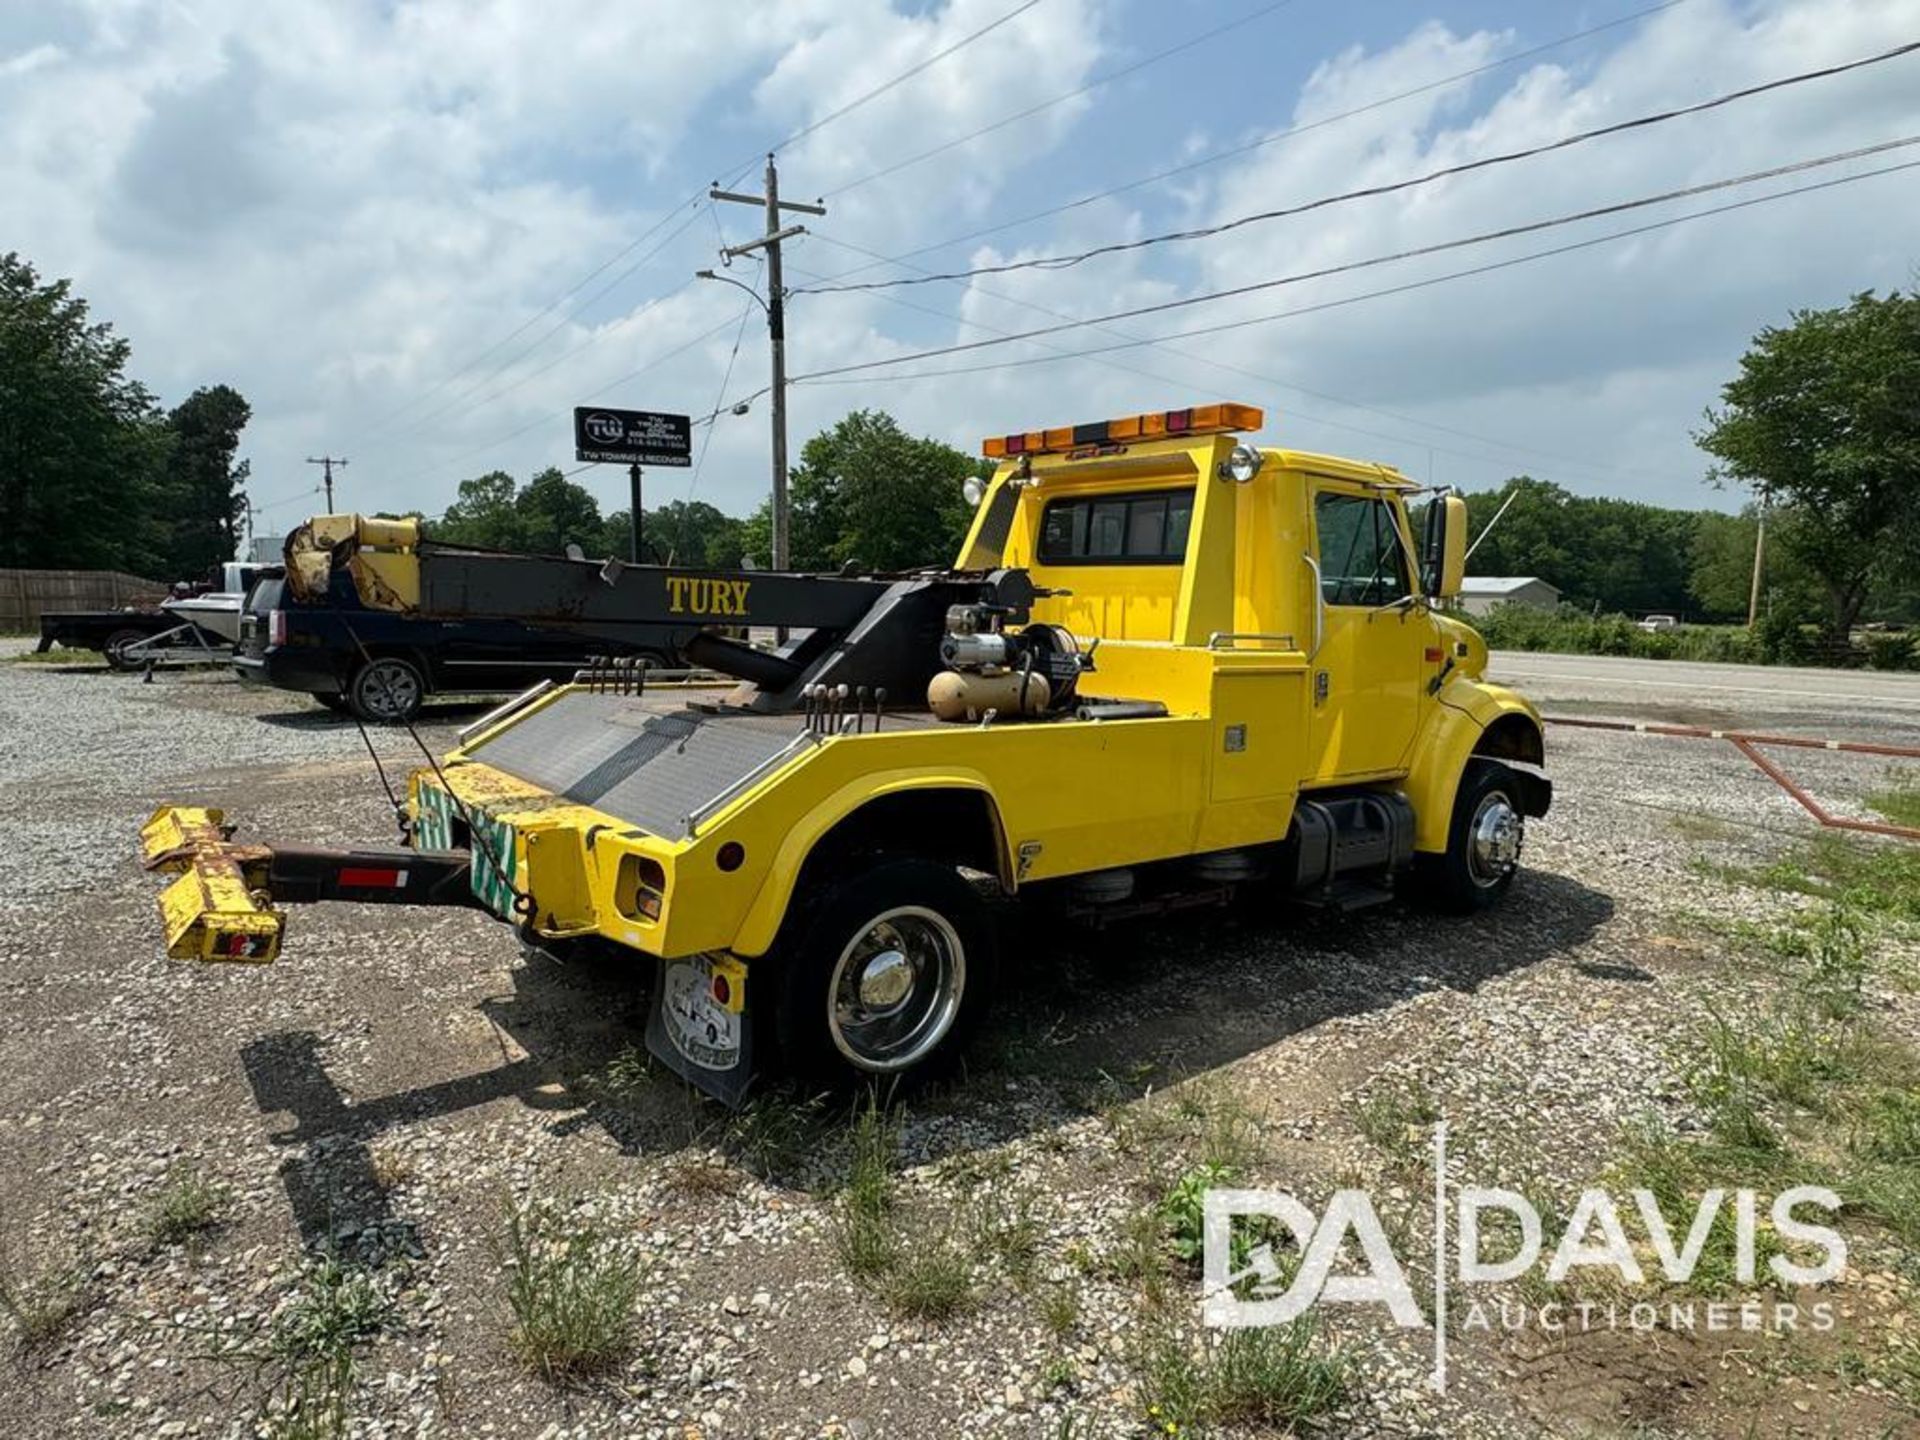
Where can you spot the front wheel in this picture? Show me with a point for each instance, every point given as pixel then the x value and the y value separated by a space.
pixel 1484 841
pixel 888 976
pixel 387 690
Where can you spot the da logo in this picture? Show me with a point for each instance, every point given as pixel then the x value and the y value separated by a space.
pixel 1274 1302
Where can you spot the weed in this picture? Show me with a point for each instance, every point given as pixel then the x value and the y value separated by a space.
pixel 1006 1229
pixel 572 1296
pixel 1139 1257
pixel 933 1280
pixel 1277 1376
pixel 1060 1310
pixel 334 1310
pixel 41 1308
pixel 1691 826
pixel 187 1209
pixel 1836 963
pixel 1888 1127
pixel 863 1210
pixel 1394 1119
pixel 1901 804
pixel 1183 1210
pixel 1059 1374
pixel 392 1166
pixel 703 1176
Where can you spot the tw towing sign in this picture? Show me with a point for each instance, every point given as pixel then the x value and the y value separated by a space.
pixel 632 437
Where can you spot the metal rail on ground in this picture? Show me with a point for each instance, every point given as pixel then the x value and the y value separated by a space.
pixel 1748 743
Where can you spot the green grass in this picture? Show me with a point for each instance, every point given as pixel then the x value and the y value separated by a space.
pixel 188 1208
pixel 1060 1310
pixel 863 1211
pixel 1899 804
pixel 333 1312
pixel 572 1294
pixel 59 655
pixel 934 1277
pixel 1271 1378
pixel 41 1308
pixel 1183 1210
pixel 1394 1119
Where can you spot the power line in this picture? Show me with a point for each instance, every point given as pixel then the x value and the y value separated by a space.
pixel 547 419
pixel 1272 380
pixel 692 202
pixel 818 377
pixel 1440 247
pixel 421 421
pixel 1094 84
pixel 1061 262
pixel 902 77
pixel 1276 136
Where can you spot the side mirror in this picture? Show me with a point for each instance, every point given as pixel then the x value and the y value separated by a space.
pixel 1453 548
pixel 1443 561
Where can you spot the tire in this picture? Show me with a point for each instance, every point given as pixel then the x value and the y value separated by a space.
pixel 1484 841
pixel 333 701
pixel 118 639
pixel 387 690
pixel 896 923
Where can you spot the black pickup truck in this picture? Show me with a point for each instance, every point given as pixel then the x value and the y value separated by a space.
pixel 381 665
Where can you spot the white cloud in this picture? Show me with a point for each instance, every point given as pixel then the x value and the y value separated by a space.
pixel 337 204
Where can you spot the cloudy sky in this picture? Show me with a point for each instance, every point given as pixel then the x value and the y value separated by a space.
pixel 417 232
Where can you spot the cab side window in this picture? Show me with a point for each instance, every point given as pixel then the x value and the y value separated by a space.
pixel 1362 561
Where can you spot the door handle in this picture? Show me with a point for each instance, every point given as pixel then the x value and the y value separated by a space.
pixel 1319 607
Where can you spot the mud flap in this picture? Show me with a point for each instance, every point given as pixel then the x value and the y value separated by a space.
pixel 700 1026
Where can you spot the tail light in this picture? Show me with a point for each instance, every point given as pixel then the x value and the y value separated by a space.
pixel 276 627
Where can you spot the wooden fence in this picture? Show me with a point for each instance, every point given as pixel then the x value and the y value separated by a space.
pixel 25 594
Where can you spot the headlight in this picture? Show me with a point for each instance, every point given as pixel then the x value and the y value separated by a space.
pixel 1242 464
pixel 974 488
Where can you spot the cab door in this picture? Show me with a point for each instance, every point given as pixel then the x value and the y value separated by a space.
pixel 1367 679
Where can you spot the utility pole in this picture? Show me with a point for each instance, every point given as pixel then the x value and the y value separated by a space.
pixel 776 328
pixel 633 479
pixel 327 462
pixel 1759 555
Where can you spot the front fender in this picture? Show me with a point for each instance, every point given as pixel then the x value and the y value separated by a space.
pixel 1468 708
pixel 763 918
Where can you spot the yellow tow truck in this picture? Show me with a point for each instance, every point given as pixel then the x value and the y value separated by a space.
pixel 1168 667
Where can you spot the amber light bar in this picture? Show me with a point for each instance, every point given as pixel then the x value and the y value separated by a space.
pixel 1156 425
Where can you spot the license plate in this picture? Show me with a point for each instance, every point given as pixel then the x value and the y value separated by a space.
pixel 701 1026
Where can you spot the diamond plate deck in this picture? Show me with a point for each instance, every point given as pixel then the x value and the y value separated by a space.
pixel 645 760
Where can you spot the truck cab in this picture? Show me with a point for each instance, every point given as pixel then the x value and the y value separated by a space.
pixel 1168 667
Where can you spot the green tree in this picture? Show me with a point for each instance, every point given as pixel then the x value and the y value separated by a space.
pixel 82 447
pixel 483 515
pixel 554 512
pixel 867 492
pixel 684 532
pixel 1824 421
pixel 201 497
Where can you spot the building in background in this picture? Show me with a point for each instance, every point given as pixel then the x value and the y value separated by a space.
pixel 1480 593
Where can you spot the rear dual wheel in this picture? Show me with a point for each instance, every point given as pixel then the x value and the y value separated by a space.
pixel 887 975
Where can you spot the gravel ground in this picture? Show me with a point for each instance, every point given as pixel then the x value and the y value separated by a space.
pixel 385 1092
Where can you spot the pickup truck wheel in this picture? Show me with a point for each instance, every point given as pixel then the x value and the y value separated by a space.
pixel 888 977
pixel 1483 843
pixel 387 690
pixel 118 641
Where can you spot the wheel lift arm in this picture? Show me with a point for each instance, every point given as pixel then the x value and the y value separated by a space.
pixel 221 907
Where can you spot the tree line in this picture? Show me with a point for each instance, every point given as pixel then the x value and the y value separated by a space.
pixel 94 473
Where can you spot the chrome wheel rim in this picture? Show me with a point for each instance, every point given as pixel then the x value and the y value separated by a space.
pixel 1494 839
pixel 389 689
pixel 896 989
